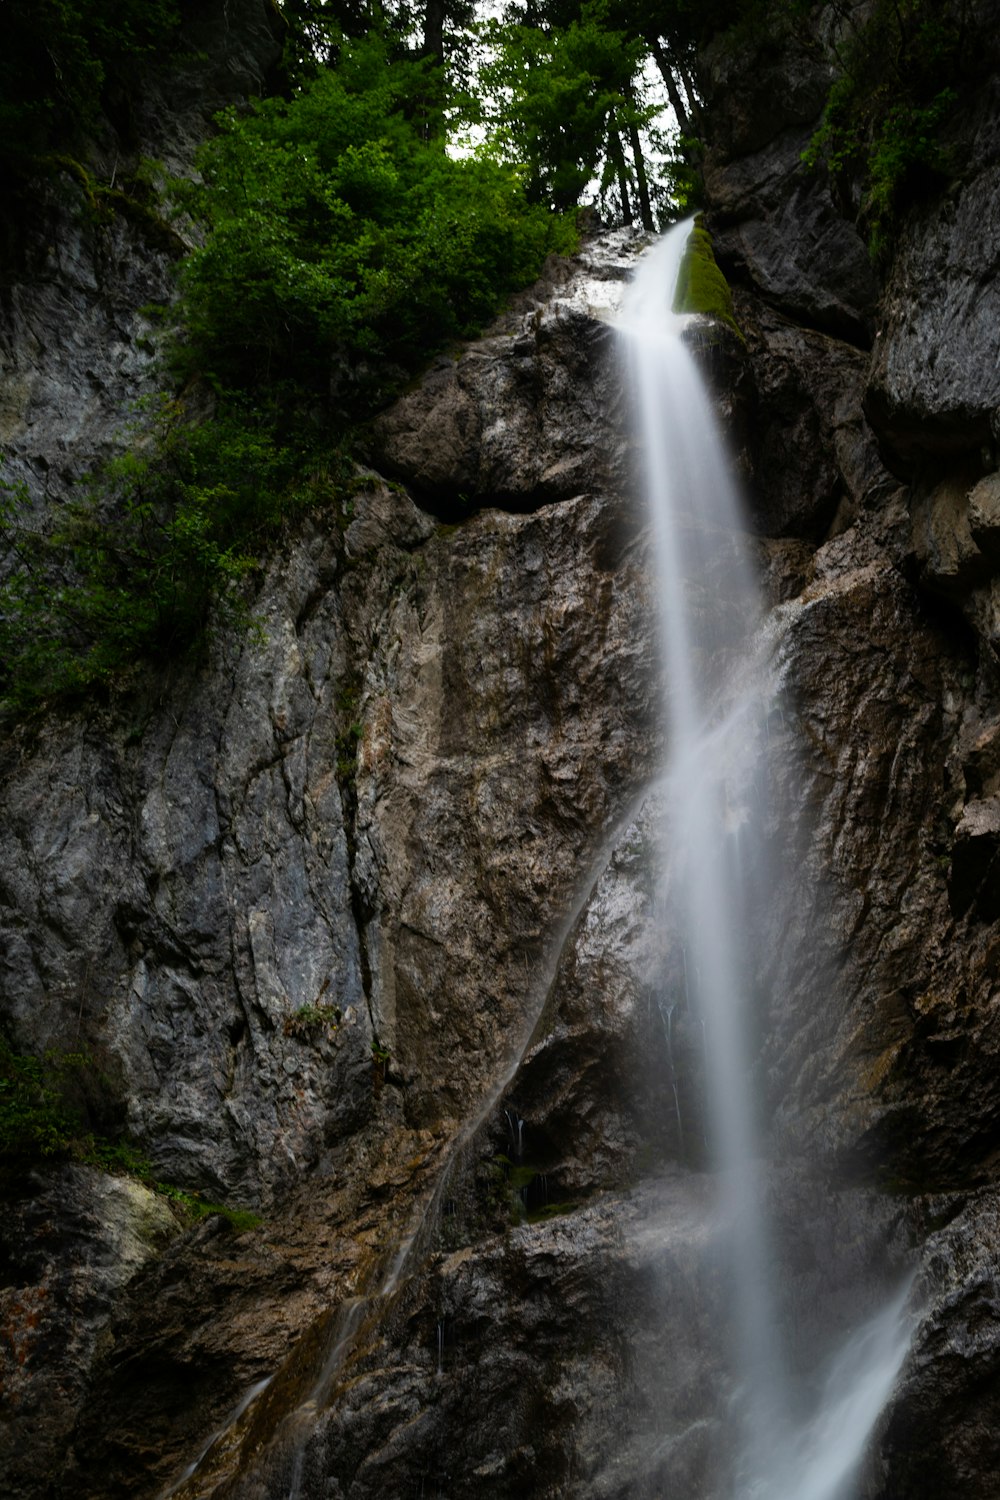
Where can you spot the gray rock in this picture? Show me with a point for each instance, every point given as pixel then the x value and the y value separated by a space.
pixel 527 414
pixel 934 383
pixel 778 227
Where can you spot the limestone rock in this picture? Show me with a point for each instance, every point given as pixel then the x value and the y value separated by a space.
pixel 779 228
pixel 943 540
pixel 810 455
pixel 941 1429
pixel 984 516
pixel 934 386
pixel 527 414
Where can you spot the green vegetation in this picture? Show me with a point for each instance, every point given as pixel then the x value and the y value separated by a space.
pixel 339 246
pixel 701 286
pixel 309 1019
pixel 145 554
pixel 36 1117
pixel 342 241
pixel 551 1211
pixel 557 91
pixel 883 126
pixel 65 63
pixel 40 1119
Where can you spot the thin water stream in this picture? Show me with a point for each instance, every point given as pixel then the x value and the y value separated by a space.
pixel 720 680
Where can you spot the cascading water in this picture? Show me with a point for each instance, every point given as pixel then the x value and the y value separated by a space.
pixel 720 680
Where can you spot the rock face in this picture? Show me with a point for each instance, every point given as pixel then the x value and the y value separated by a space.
pixel 528 415
pixel 358 922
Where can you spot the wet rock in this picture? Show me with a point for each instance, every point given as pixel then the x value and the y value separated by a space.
pixel 810 455
pixel 776 225
pixel 940 1434
pixel 526 415
pixel 934 386
pixel 951 559
pixel 778 228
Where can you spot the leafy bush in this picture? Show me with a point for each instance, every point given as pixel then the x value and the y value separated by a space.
pixel 885 114
pixel 341 247
pixel 338 238
pixel 36 1120
pixel 142 556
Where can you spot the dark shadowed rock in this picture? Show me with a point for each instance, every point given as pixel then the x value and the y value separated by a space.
pixel 72 1240
pixel 974 878
pixel 777 227
pixel 934 386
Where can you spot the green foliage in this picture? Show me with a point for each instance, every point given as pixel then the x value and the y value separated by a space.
pixel 36 1119
pixel 701 286
pixel 123 1159
pixel 551 1211
pixel 341 246
pixel 309 1019
pixel 339 239
pixel 556 91
pixel 195 1207
pixel 886 112
pixel 64 62
pixel 151 550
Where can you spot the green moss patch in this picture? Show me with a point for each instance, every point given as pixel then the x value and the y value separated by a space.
pixel 701 286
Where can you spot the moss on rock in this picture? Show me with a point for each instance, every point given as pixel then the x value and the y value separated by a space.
pixel 701 286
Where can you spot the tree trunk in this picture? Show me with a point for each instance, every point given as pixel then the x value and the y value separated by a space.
pixel 673 93
pixel 618 161
pixel 641 182
pixel 433 45
pixel 688 82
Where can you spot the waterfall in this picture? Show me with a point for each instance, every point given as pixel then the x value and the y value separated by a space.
pixel 721 675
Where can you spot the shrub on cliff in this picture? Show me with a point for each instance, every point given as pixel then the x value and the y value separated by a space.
pixel 340 236
pixel 141 556
pixel 884 125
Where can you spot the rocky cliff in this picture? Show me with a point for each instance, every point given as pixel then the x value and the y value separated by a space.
pixel 356 920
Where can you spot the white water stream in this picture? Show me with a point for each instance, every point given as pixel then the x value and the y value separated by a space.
pixel 720 682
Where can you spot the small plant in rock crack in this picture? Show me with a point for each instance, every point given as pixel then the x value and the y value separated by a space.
pixel 347 751
pixel 309 1019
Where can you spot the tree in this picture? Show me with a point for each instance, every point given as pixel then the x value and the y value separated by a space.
pixel 563 96
pixel 337 231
